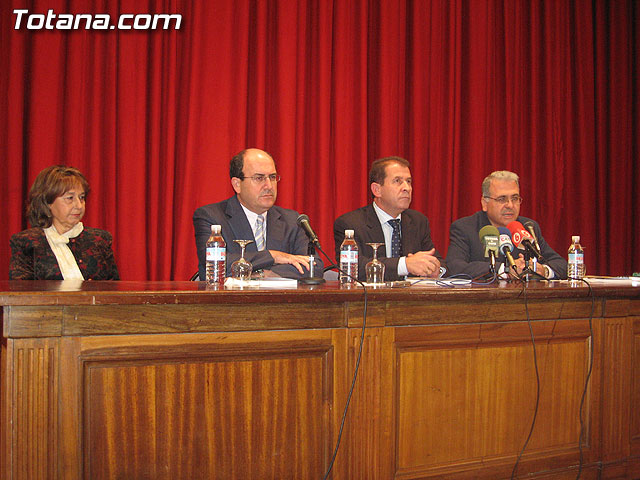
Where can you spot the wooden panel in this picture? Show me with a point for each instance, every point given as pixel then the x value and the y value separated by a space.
pixel 365 425
pixel 28 321
pixel 34 408
pixel 617 307
pixel 616 388
pixel 470 403
pixel 635 392
pixel 129 319
pixel 159 381
pixel 238 406
pixel 5 402
pixel 475 311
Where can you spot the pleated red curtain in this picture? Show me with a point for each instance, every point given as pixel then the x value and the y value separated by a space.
pixel 460 88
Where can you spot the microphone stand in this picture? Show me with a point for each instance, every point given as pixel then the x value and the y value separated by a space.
pixel 311 279
pixel 527 274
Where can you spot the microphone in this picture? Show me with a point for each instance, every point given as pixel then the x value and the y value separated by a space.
pixel 489 238
pixel 521 237
pixel 303 222
pixel 506 247
pixel 529 226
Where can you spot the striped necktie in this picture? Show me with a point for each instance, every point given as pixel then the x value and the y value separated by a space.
pixel 260 244
pixel 396 246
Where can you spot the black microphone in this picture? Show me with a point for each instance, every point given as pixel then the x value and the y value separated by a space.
pixel 506 247
pixel 303 222
pixel 529 226
pixel 522 239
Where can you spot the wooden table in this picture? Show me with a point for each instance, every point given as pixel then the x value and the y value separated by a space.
pixel 169 380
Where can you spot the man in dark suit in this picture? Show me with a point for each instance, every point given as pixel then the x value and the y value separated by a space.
pixel 280 245
pixel 500 206
pixel 405 233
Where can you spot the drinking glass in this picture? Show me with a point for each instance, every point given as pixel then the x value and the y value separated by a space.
pixel 375 268
pixel 241 268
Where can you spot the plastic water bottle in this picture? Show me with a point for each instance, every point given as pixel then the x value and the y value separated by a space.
pixel 348 259
pixel 576 259
pixel 216 257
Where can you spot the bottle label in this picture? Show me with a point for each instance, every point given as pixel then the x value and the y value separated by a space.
pixel 216 254
pixel 348 256
pixel 576 258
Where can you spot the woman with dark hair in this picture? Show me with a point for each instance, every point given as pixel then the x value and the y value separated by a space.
pixel 58 247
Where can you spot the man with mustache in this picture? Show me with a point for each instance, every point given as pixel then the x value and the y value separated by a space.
pixel 409 250
pixel 280 245
pixel 501 202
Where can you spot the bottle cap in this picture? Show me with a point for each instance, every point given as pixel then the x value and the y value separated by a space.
pixel 575 239
pixel 216 228
pixel 348 233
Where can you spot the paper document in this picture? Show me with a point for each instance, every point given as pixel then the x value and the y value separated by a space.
pixel 267 282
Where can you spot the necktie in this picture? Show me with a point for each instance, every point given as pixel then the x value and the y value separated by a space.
pixel 396 247
pixel 260 232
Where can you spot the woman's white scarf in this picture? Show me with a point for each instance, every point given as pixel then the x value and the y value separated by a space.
pixel 60 246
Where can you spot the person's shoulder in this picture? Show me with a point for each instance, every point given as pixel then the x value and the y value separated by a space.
pixel 414 214
pixel 357 214
pixel 30 235
pixel 211 208
pixel 289 215
pixel 96 233
pixel 470 220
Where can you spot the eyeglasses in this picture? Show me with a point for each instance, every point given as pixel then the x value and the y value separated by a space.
pixel 503 199
pixel 259 178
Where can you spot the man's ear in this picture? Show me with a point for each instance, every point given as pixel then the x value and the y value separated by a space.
pixel 375 189
pixel 235 183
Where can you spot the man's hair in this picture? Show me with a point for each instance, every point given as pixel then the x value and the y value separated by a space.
pixel 498 175
pixel 378 172
pixel 51 183
pixel 236 165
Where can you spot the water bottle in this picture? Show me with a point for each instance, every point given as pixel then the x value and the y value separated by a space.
pixel 216 257
pixel 348 259
pixel 576 259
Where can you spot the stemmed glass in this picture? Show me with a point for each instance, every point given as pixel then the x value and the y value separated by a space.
pixel 241 268
pixel 375 268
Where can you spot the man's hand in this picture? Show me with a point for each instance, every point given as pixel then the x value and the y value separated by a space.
pixel 298 261
pixel 423 264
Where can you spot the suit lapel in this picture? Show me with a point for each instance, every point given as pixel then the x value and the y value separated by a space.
pixel 374 231
pixel 407 240
pixel 275 230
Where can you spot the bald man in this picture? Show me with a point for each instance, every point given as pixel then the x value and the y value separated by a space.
pixel 280 245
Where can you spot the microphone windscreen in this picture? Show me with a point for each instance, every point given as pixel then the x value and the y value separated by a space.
pixel 518 232
pixel 531 231
pixel 487 230
pixel 505 239
pixel 302 218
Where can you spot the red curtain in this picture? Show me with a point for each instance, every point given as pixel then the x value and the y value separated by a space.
pixel 548 89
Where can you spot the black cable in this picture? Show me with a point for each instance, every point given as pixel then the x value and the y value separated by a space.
pixel 459 279
pixel 535 362
pixel 355 373
pixel 586 382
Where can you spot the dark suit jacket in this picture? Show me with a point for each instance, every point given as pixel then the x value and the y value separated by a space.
pixel 416 237
pixel 466 252
pixel 283 234
pixel 33 259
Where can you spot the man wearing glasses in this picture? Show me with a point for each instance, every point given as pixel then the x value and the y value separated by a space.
pixel 280 245
pixel 501 202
